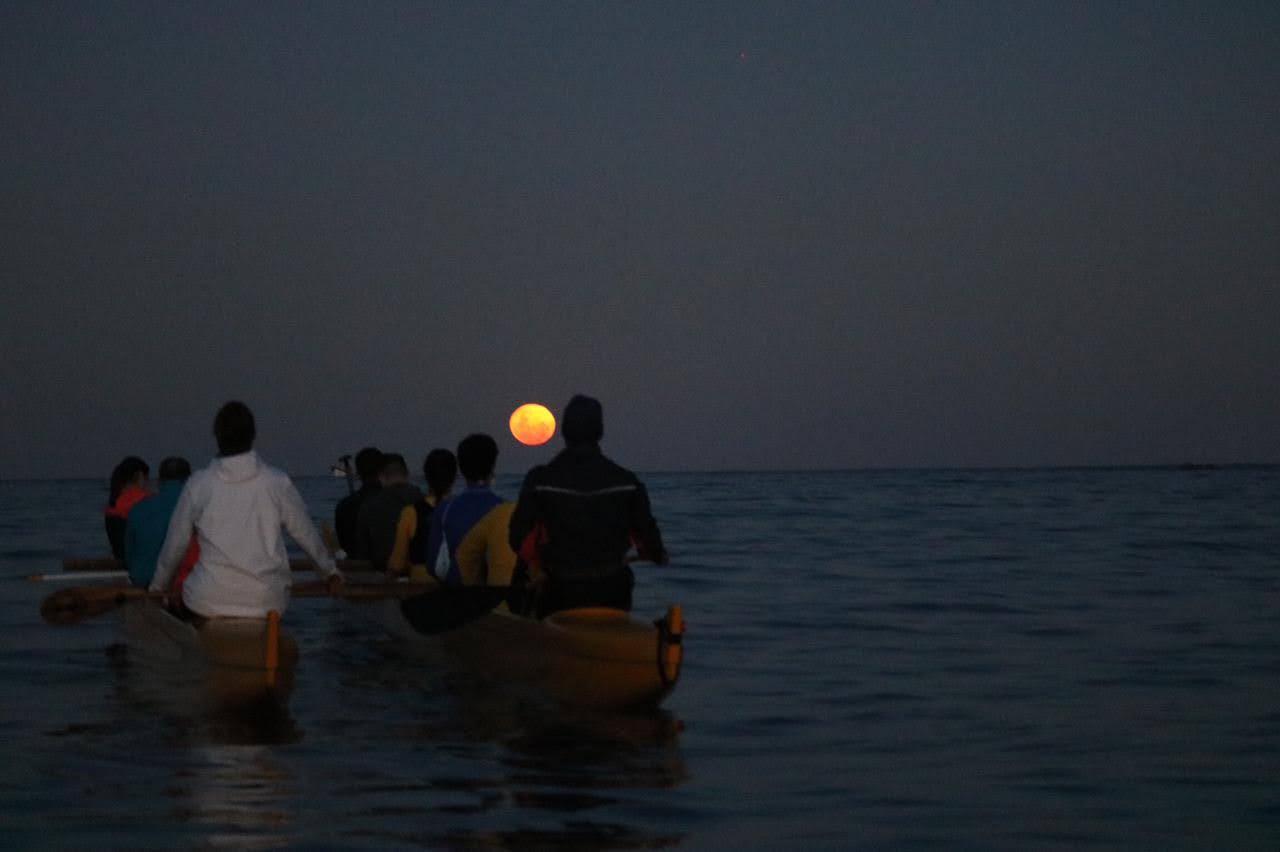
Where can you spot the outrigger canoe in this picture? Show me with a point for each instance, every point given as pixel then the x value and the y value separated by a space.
pixel 236 661
pixel 596 657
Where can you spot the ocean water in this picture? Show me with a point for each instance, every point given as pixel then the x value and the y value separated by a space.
pixel 1039 659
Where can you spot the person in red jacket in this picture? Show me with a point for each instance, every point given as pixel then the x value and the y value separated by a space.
pixel 129 484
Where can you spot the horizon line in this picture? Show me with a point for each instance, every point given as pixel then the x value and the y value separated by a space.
pixel 1012 468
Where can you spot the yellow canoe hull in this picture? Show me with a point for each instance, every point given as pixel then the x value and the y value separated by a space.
pixel 594 657
pixel 599 658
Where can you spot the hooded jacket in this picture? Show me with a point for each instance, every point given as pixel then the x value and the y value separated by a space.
pixel 237 507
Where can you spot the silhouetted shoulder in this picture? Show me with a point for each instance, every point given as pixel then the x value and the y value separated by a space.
pixel 535 474
pixel 619 471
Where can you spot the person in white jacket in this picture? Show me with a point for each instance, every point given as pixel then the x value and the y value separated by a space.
pixel 237 507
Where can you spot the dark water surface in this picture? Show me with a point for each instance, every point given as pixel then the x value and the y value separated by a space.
pixel 1051 659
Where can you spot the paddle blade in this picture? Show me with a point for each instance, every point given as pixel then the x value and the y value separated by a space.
pixel 78 603
pixel 450 607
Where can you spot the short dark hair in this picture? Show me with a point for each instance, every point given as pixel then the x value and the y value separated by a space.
pixel 440 469
pixel 234 429
pixel 174 468
pixel 477 455
pixel 393 463
pixel 582 421
pixel 368 463
pixel 129 467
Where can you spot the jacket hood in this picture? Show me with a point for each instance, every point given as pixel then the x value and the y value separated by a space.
pixel 238 468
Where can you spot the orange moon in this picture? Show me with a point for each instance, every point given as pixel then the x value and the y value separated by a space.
pixel 532 424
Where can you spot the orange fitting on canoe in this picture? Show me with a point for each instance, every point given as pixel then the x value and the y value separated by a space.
pixel 670 644
pixel 675 619
pixel 273 645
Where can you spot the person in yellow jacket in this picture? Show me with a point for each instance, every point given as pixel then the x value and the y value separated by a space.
pixel 408 555
pixel 484 557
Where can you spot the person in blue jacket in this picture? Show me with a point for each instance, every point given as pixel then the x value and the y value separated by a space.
pixel 454 518
pixel 149 521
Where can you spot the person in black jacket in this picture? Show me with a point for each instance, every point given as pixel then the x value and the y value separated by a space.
pixel 380 513
pixel 575 521
pixel 346 515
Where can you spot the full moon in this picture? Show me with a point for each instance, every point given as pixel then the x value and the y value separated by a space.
pixel 532 424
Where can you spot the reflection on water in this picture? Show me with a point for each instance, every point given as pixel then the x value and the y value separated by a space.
pixel 573 766
pixel 200 702
pixel 446 759
pixel 599 752
pixel 261 721
pixel 228 787
pixel 236 795
pixel 575 836
pixel 481 764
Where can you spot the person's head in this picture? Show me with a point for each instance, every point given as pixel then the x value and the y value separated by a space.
pixel 440 470
pixel 174 469
pixel 477 455
pixel 369 464
pixel 582 421
pixel 234 429
pixel 131 471
pixel 393 470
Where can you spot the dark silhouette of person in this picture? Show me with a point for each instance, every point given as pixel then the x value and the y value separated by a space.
pixel 128 487
pixel 576 518
pixel 346 515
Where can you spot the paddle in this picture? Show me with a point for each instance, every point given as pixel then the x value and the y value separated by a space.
pixel 77 576
pixel 346 469
pixel 106 563
pixel 79 603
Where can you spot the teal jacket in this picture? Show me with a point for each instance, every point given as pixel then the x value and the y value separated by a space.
pixel 145 530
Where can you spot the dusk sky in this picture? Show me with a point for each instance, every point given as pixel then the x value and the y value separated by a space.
pixel 765 235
